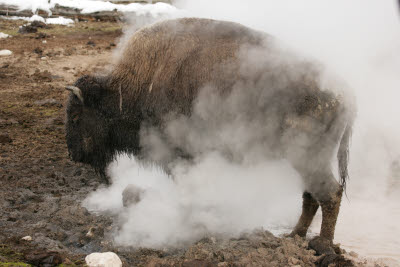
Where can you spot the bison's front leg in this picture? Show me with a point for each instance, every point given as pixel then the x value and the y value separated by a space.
pixel 310 207
pixel 104 177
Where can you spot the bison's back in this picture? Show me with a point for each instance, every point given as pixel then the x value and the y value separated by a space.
pixel 165 64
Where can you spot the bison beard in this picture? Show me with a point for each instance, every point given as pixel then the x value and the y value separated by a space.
pixel 184 80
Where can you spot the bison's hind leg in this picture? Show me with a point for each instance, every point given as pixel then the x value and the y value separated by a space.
pixel 321 189
pixel 328 192
pixel 330 212
pixel 310 207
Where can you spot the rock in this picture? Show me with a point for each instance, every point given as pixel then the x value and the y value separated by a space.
pixel 321 246
pixel 131 195
pixel 13 121
pixel 39 24
pixel 41 35
pixel 38 50
pixel 51 123
pixel 353 254
pixel 198 263
pixel 27 238
pixel 25 195
pixel 43 258
pixel 293 261
pixel 68 262
pixel 90 233
pixel 3 35
pixel 42 76
pixel 8 122
pixel 13 217
pixel 5 138
pixel 5 52
pixel 106 259
pixel 70 51
pixel 91 43
pixel 95 232
pixel 47 102
pixel 27 29
pixel 335 260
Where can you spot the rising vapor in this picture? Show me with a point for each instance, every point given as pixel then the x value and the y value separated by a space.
pixel 357 41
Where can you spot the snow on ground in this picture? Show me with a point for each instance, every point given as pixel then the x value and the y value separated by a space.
pixel 90 6
pixel 3 35
pixel 58 20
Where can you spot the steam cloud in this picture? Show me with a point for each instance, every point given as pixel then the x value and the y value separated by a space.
pixel 359 41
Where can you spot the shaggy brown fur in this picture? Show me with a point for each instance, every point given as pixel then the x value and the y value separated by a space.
pixel 164 65
pixel 161 72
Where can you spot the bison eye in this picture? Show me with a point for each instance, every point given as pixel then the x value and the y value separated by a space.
pixel 74 117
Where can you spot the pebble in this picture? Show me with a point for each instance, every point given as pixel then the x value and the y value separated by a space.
pixel 5 138
pixel 5 52
pixel 27 238
pixel 90 233
pixel 131 195
pixel 353 254
pixel 106 259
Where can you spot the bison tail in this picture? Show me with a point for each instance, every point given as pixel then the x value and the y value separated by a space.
pixel 343 155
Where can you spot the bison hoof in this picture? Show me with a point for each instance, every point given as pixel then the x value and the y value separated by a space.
pixel 335 260
pixel 294 233
pixel 321 245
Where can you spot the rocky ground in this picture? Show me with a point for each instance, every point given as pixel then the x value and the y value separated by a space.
pixel 41 189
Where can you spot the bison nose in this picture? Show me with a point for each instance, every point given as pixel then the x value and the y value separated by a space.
pixel 77 157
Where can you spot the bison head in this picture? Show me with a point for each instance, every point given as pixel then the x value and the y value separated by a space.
pixel 87 125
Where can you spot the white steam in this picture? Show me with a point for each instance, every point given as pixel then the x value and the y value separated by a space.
pixel 208 198
pixel 359 41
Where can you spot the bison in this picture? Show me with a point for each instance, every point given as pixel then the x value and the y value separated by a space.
pixel 167 67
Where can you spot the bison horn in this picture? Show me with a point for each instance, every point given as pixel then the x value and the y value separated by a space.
pixel 76 92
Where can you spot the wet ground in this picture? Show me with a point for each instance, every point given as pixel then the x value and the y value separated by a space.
pixel 41 189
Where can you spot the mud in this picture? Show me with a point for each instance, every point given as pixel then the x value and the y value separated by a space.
pixel 41 189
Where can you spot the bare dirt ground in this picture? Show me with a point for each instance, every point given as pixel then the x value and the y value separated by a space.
pixel 41 189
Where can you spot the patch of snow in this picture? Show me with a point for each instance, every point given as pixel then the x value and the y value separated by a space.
pixel 3 35
pixel 58 20
pixel 5 52
pixel 37 18
pixel 89 6
pixel 26 5
pixel 13 17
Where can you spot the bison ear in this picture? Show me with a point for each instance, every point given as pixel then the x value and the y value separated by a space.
pixel 76 91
